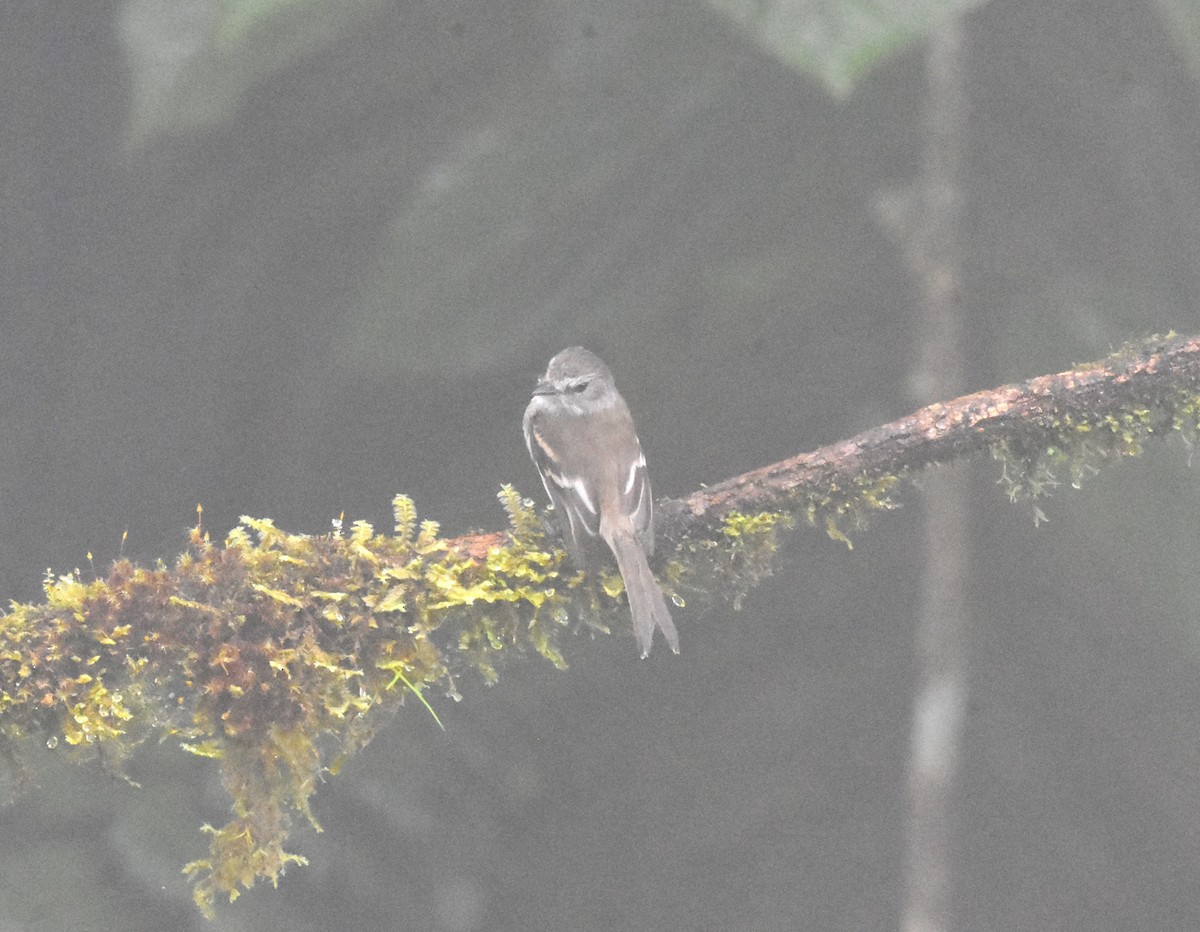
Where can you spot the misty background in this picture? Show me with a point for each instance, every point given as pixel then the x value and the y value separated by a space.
pixel 287 258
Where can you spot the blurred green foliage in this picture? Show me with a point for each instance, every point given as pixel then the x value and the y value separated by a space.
pixel 839 41
pixel 192 66
pixel 1183 26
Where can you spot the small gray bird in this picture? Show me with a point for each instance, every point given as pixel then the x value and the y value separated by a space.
pixel 581 437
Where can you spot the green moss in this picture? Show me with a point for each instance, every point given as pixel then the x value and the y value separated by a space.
pixel 1074 445
pixel 275 654
pixel 840 511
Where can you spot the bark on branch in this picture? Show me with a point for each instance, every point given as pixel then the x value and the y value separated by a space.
pixel 1103 408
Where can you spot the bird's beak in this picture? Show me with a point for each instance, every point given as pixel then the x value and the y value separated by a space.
pixel 543 387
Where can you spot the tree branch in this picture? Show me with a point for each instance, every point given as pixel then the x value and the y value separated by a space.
pixel 1069 420
pixel 278 655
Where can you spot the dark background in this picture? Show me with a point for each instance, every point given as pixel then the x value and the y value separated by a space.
pixel 339 279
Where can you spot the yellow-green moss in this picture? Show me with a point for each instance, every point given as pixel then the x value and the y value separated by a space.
pixel 276 654
pixel 1075 444
pixel 728 562
pixel 841 511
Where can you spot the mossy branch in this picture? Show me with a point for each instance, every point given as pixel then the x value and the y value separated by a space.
pixel 279 655
pixel 1051 426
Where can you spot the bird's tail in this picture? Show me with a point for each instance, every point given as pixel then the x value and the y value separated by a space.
pixel 646 600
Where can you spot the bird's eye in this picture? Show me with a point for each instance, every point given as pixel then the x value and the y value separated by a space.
pixel 576 387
